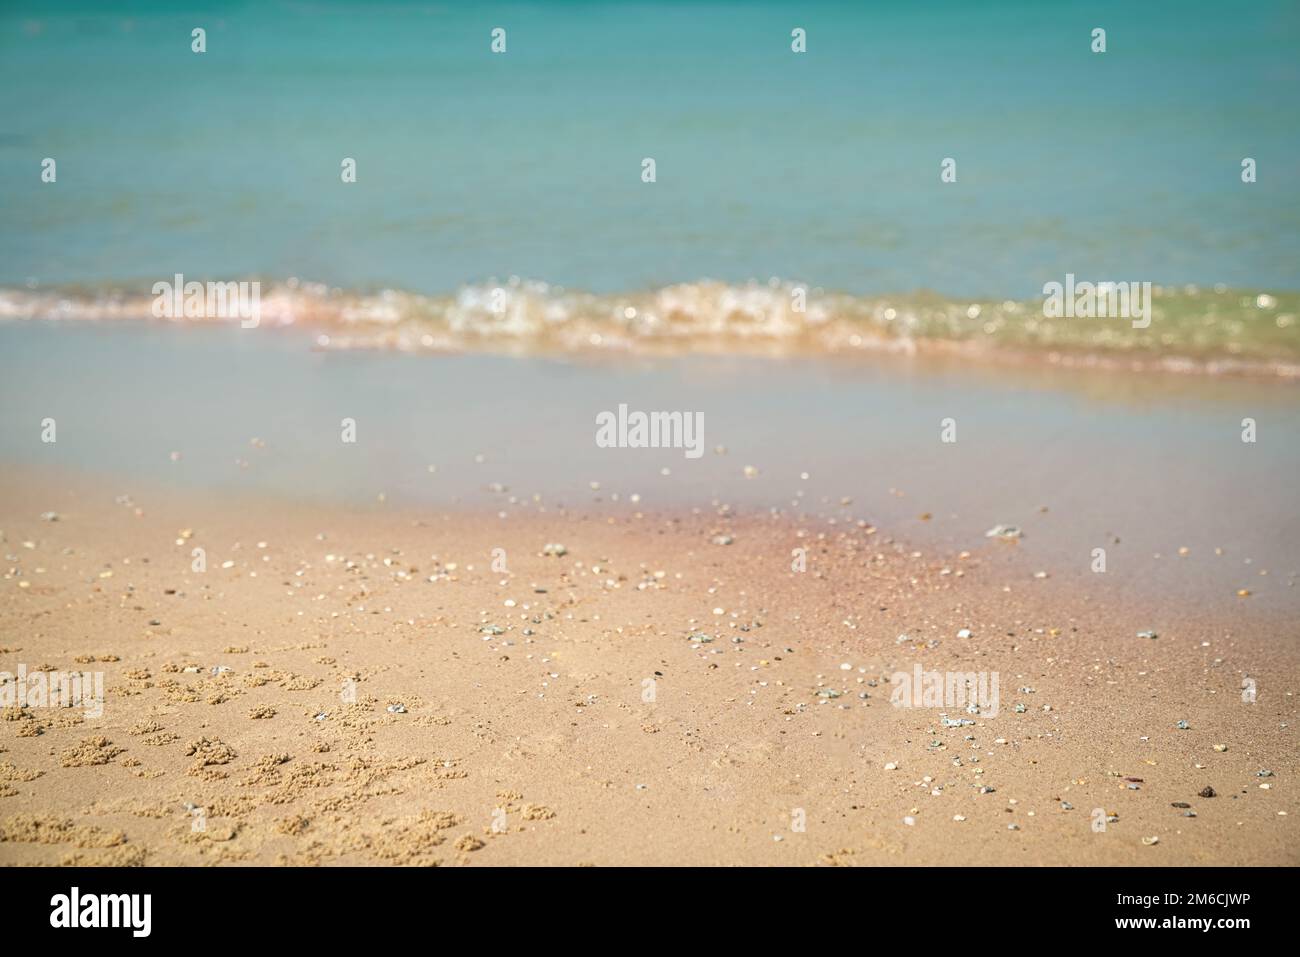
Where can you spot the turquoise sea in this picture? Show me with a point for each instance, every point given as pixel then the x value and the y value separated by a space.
pixel 820 167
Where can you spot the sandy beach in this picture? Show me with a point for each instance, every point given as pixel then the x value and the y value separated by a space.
pixel 360 685
pixel 597 434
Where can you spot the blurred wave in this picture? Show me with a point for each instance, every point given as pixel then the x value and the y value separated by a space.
pixel 1214 331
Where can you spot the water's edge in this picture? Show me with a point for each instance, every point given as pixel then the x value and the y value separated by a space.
pixel 1186 329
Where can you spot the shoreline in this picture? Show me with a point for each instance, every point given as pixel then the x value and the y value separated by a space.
pixel 1212 332
pixel 1079 462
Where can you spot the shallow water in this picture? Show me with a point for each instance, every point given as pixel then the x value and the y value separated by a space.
pixel 1157 462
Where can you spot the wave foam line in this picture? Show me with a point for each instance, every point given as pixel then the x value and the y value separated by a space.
pixel 1215 330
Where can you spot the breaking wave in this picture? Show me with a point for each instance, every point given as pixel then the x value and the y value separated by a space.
pixel 1192 329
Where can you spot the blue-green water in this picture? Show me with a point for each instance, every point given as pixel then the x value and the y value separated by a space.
pixel 821 166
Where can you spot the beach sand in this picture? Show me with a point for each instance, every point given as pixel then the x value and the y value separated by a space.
pixel 359 685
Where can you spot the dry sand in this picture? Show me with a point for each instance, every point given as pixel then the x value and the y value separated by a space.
pixel 535 745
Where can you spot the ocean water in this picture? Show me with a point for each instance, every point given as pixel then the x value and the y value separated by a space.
pixel 821 167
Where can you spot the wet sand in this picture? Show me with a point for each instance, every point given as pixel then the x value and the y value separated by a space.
pixel 501 717
pixel 1142 465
